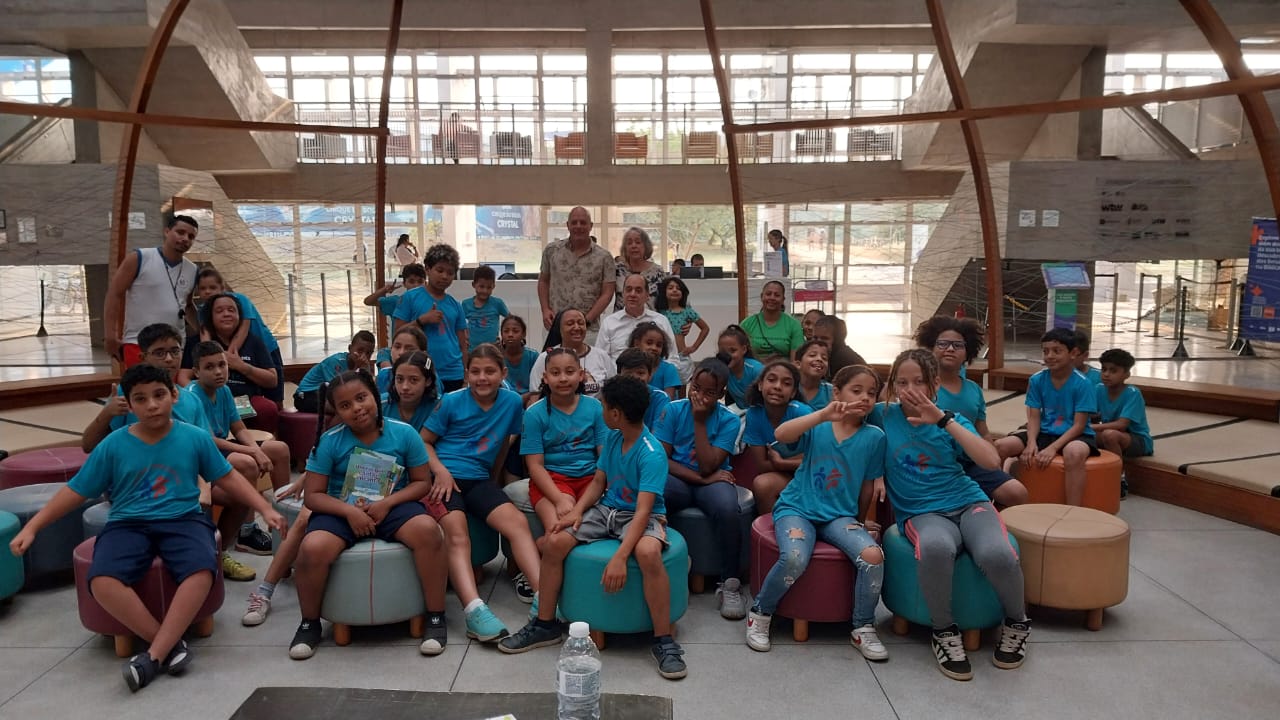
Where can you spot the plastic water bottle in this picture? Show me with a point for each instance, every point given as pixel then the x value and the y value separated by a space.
pixel 578 676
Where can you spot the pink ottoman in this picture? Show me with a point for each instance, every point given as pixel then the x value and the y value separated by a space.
pixel 35 467
pixel 156 590
pixel 824 593
pixel 298 431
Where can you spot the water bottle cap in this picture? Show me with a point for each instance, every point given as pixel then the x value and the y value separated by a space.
pixel 579 630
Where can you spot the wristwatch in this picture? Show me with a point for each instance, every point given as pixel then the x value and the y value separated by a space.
pixel 947 418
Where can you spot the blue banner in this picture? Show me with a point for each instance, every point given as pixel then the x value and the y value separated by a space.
pixel 1258 320
pixel 500 221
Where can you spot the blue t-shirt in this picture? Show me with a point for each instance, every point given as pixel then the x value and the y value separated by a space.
pixel 333 452
pixel 1058 406
pixel 484 322
pixel 643 468
pixel 568 443
pixel 151 482
pixel 970 402
pixel 1130 405
pixel 658 402
pixel 675 427
pixel 759 431
pixel 518 374
pixel 323 372
pixel 256 326
pixel 468 438
pixel 829 480
pixel 442 337
pixel 186 408
pixel 1092 374
pixel 384 379
pixel 665 376
pixel 922 465
pixel 420 413
pixel 822 398
pixel 220 412
pixel 737 389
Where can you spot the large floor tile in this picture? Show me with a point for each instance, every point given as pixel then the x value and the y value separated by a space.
pixel 20 666
pixel 1145 514
pixel 44 618
pixel 1270 647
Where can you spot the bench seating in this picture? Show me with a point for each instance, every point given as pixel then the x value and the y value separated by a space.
pixel 42 391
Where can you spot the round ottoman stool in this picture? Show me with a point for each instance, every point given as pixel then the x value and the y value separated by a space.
pixel 704 548
pixel 11 576
pixel 156 590
pixel 484 544
pixel 51 551
pixel 290 508
pixel 261 436
pixel 824 593
pixel 1073 558
pixel 373 583
pixel 1101 482
pixel 298 431
pixel 35 467
pixel 94 519
pixel 973 601
pixel 582 596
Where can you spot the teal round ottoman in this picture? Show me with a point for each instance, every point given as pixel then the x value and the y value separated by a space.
pixel 704 548
pixel 973 600
pixel 51 552
pixel 11 575
pixel 290 508
pixel 373 583
pixel 94 519
pixel 582 597
pixel 484 543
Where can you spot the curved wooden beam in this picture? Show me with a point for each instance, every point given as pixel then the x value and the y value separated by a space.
pixel 981 183
pixel 380 172
pixel 1256 110
pixel 735 183
pixel 71 112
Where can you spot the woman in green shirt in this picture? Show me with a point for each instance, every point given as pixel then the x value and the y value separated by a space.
pixel 773 331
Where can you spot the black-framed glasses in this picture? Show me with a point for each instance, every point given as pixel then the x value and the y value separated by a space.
pixel 165 352
pixel 949 344
pixel 704 392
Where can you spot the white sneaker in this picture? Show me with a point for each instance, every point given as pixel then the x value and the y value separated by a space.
pixel 733 606
pixel 758 631
pixel 259 607
pixel 868 643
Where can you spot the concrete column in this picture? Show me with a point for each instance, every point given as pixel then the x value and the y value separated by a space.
pixel 84 93
pixel 460 231
pixel 599 46
pixel 95 297
pixel 1092 78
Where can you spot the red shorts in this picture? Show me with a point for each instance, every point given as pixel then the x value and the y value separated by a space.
pixel 566 484
pixel 130 355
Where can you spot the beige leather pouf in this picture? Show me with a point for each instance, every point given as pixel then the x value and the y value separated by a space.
pixel 1073 558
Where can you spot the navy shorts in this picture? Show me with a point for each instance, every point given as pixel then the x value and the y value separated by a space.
pixel 1044 440
pixel 385 530
pixel 125 548
pixel 989 479
pixel 478 497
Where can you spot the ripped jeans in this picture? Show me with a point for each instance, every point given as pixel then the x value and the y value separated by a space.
pixel 796 537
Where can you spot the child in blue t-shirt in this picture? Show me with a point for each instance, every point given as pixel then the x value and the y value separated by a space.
pixel 561 440
pixel 773 400
pixel 812 359
pixel 648 336
pixel 1059 403
pixel 735 352
pixel 408 338
pixel 440 316
pixel 1122 412
pixel 387 298
pixel 941 510
pixel 484 311
pixel 639 364
pixel 209 283
pixel 1080 359
pixel 357 357
pixel 955 342
pixel 347 505
pixel 623 502
pixel 467 439
pixel 151 472
pixel 699 435
pixel 518 356
pixel 414 394
pixel 827 500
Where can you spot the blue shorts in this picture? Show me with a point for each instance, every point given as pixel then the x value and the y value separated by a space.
pixel 125 548
pixel 989 479
pixel 385 530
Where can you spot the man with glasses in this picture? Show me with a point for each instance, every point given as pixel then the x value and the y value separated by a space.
pixel 152 285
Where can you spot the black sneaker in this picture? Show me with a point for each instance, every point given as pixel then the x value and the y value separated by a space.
pixel 254 542
pixel 534 634
pixel 524 590
pixel 1012 648
pixel 139 671
pixel 1124 486
pixel 436 635
pixel 666 651
pixel 950 654
pixel 305 640
pixel 178 659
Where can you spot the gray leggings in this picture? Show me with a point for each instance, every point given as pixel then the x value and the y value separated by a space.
pixel 977 529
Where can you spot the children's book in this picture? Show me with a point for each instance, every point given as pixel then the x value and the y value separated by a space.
pixel 371 476
pixel 244 407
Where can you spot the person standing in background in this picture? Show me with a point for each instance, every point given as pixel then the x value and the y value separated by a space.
pixel 152 285
pixel 577 274
pixel 406 253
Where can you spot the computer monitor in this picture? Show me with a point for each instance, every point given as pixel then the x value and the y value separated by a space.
pixel 706 272
pixel 1066 276
pixel 499 269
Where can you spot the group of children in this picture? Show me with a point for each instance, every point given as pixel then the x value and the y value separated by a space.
pixel 442 426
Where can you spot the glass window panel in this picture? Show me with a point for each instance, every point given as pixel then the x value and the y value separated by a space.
pixel 878 87
pixel 636 90
pixel 747 90
pixel 340 89
pixel 55 90
pixel 817 212
pixel 637 63
pixel 54 66
pixel 270 63
pixel 365 64
pixel 928 211
pixel 428 92
pixel 514 89
pixel 700 61
pixel 748 62
pixel 884 61
pixel 705 91
pixel 1262 61
pixel 309 90
pixel 564 63
pixel 278 85
pixel 446 65
pixel 816 61
pixel 523 63
pixel 877 212
pixel 1143 61
pixel 804 88
pixel 923 60
pixel 835 88
pixel 320 64
pixel 1192 61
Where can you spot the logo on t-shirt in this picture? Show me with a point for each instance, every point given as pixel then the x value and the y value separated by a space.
pixel 826 480
pixel 482 445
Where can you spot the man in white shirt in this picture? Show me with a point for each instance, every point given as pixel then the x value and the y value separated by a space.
pixel 152 285
pixel 615 329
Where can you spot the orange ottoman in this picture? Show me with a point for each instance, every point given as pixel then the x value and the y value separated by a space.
pixel 1101 482
pixel 1073 558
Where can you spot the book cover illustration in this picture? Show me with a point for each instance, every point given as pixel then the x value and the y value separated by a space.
pixel 371 476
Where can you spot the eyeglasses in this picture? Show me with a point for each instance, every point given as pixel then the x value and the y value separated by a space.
pixel 949 344
pixel 704 392
pixel 165 352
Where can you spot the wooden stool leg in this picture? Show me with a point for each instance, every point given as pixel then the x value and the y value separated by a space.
pixel 972 639
pixel 203 627
pixel 697 584
pixel 1093 619
pixel 124 645
pixel 800 630
pixel 900 625
pixel 341 634
pixel 417 626
pixel 597 637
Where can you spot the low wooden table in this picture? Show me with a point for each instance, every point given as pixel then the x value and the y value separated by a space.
pixel 274 703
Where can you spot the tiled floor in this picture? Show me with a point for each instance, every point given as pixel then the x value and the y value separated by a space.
pixel 1198 637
